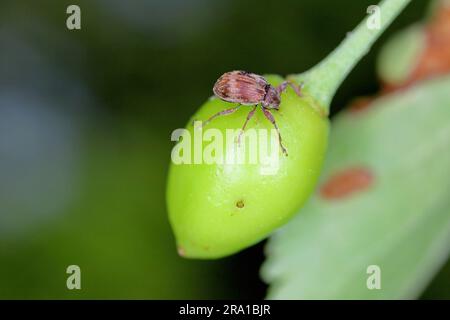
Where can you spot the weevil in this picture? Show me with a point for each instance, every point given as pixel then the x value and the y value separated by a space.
pixel 250 89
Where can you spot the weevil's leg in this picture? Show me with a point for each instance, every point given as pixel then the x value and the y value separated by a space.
pixel 270 117
pixel 249 116
pixel 221 113
pixel 297 89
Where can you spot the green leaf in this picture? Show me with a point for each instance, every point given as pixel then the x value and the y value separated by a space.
pixel 401 223
pixel 400 54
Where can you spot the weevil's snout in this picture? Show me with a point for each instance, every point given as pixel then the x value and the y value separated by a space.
pixel 272 98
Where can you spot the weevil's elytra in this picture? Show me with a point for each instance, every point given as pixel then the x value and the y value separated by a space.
pixel 241 87
pixel 250 89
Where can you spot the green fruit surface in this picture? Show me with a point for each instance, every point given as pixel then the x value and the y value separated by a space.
pixel 219 209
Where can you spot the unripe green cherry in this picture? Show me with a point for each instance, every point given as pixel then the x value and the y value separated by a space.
pixel 219 209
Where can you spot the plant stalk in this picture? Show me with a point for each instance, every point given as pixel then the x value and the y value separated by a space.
pixel 323 80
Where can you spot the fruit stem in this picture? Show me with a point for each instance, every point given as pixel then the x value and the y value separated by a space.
pixel 323 80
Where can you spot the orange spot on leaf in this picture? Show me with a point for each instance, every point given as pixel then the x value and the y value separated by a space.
pixel 347 182
pixel 360 104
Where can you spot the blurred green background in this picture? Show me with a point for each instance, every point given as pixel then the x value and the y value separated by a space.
pixel 85 123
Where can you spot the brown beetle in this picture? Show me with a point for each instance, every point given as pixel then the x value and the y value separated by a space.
pixel 250 89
